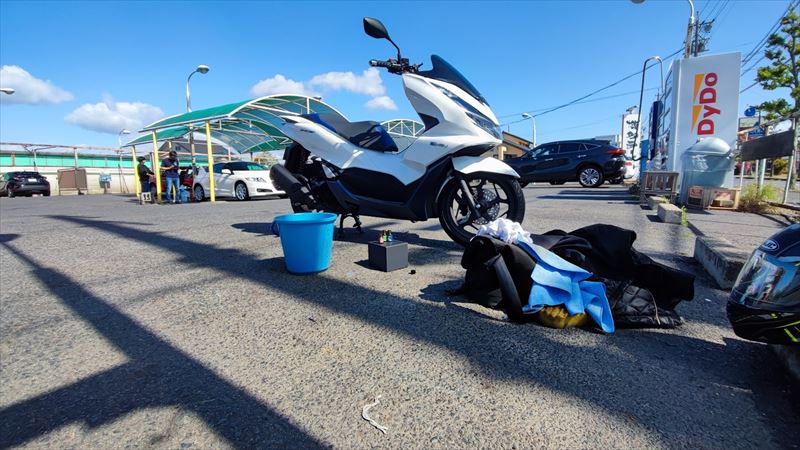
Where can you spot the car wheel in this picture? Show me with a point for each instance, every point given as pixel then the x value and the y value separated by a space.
pixel 199 193
pixel 47 194
pixel 240 190
pixel 557 183
pixel 590 176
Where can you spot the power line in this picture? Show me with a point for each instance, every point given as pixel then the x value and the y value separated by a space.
pixel 764 39
pixel 748 87
pixel 547 111
pixel 753 66
pixel 710 12
pixel 621 94
pixel 615 116
pixel 724 16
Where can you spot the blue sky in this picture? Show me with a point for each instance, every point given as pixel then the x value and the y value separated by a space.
pixel 92 68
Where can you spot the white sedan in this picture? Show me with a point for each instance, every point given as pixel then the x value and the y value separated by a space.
pixel 238 179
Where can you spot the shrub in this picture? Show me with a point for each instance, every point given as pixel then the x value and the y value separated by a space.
pixel 779 166
pixel 753 200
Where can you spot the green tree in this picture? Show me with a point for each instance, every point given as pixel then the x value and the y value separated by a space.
pixel 783 52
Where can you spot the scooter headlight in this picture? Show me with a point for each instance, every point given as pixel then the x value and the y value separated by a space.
pixel 477 117
pixel 486 124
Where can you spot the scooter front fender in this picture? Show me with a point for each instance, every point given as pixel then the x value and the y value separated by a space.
pixel 475 164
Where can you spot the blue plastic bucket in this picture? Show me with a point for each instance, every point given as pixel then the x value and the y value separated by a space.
pixel 307 240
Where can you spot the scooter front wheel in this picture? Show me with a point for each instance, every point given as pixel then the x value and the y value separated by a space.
pixel 494 196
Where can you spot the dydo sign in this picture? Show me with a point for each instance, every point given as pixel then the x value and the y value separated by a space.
pixel 705 100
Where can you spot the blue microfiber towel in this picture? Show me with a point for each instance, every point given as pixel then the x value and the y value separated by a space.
pixel 559 282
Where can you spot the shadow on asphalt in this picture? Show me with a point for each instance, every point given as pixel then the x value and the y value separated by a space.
pixel 606 194
pixel 257 228
pixel 641 377
pixel 157 374
pixel 372 232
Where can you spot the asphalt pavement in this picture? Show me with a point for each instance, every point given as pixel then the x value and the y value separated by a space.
pixel 177 326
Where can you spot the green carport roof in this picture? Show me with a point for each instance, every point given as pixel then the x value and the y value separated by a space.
pixel 247 126
pixel 161 135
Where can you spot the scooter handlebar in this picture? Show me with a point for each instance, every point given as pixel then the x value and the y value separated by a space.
pixel 394 66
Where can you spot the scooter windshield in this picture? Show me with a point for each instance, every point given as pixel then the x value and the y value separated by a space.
pixel 442 70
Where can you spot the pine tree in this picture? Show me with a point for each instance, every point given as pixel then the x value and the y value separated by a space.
pixel 783 52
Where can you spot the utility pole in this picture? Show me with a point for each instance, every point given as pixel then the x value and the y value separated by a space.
pixel 701 37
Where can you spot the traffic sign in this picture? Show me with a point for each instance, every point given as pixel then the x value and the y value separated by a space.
pixel 750 112
pixel 757 133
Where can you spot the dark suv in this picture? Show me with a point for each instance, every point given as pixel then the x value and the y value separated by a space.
pixel 589 162
pixel 13 184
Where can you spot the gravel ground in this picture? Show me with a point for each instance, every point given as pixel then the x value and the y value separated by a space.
pixel 178 327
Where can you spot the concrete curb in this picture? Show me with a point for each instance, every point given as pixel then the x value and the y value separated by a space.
pixel 721 259
pixel 654 200
pixel 669 213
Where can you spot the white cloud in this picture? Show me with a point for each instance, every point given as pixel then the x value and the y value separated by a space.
pixel 111 117
pixel 29 89
pixel 369 82
pixel 280 85
pixel 382 102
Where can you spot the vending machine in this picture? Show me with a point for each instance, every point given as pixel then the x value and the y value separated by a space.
pixel 701 98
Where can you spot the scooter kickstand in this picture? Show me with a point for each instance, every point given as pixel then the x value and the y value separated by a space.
pixel 357 225
pixel 341 226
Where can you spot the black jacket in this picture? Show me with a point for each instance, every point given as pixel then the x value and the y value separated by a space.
pixel 641 292
pixel 144 172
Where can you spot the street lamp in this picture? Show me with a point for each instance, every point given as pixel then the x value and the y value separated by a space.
pixel 692 19
pixel 533 118
pixel 119 136
pixel 8 91
pixel 641 94
pixel 202 68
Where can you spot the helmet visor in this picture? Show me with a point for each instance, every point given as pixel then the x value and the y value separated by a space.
pixel 769 282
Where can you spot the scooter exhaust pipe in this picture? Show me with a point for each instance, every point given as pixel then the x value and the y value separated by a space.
pixel 299 194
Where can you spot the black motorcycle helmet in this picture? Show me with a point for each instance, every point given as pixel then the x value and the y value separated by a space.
pixel 764 304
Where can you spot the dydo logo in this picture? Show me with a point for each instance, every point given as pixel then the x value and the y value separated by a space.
pixel 703 100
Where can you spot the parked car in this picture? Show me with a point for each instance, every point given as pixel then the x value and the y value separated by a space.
pixel 590 162
pixel 238 179
pixel 630 169
pixel 14 184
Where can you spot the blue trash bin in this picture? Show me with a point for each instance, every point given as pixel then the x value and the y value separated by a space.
pixel 307 240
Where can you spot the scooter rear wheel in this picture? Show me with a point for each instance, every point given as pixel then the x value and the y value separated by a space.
pixel 495 196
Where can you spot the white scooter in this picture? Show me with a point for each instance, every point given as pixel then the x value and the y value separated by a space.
pixel 355 168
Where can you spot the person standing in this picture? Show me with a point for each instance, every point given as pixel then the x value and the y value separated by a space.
pixel 144 173
pixel 170 167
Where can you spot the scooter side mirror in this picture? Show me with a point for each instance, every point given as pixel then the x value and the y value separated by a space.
pixel 375 28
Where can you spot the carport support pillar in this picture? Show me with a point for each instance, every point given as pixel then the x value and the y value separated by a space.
pixel 191 146
pixel 136 181
pixel 156 167
pixel 211 194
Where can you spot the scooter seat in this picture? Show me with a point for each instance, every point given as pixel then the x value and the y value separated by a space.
pixel 368 134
